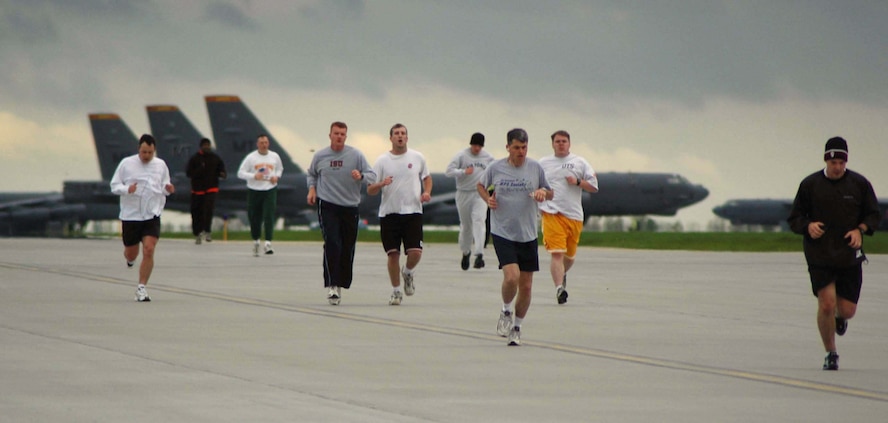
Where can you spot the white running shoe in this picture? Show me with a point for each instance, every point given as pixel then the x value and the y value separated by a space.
pixel 504 325
pixel 396 298
pixel 409 289
pixel 209 237
pixel 268 249
pixel 333 296
pixel 515 337
pixel 142 294
pixel 198 239
pixel 256 249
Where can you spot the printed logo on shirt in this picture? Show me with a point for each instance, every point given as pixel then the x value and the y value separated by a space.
pixel 513 185
pixel 336 164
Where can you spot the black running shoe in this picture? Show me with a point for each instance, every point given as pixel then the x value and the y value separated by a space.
pixel 561 295
pixel 465 262
pixel 479 261
pixel 841 326
pixel 831 362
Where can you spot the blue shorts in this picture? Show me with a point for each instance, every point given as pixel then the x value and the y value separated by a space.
pixel 524 254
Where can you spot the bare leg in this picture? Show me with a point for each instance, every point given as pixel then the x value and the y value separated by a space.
pixel 148 245
pixel 131 253
pixel 510 282
pixel 557 268
pixel 525 283
pixel 394 268
pixel 413 257
pixel 826 316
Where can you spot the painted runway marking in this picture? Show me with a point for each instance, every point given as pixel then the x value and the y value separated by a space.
pixel 589 352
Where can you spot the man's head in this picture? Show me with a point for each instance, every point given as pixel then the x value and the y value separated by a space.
pixel 561 143
pixel 147 148
pixel 338 134
pixel 262 144
pixel 476 143
pixel 398 137
pixel 205 145
pixel 516 145
pixel 836 157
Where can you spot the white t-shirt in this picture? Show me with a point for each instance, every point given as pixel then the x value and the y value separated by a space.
pixel 268 165
pixel 404 195
pixel 568 199
pixel 151 180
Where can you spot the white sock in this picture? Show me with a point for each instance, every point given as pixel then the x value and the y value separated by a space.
pixel 507 306
pixel 396 289
pixel 518 321
pixel 141 285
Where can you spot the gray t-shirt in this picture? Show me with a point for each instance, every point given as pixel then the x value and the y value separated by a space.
pixel 461 161
pixel 516 217
pixel 330 174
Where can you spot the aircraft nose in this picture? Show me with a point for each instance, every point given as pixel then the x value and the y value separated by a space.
pixel 700 192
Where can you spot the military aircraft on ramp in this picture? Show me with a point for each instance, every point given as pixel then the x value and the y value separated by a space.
pixel 770 212
pixel 622 194
pixel 51 213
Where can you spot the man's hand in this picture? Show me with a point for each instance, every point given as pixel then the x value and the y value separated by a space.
pixel 816 229
pixel 132 188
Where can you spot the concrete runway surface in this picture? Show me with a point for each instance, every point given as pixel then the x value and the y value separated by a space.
pixel 646 336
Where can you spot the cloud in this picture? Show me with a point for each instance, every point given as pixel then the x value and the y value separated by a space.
pixel 227 14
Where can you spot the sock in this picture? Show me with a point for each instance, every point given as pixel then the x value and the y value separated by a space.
pixel 396 289
pixel 507 306
pixel 141 285
pixel 518 321
pixel 256 241
pixel 408 270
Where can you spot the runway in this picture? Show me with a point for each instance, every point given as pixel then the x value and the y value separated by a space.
pixel 666 336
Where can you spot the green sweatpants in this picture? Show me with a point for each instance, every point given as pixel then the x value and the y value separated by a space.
pixel 261 208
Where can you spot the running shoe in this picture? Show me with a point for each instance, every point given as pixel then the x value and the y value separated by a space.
pixel 504 325
pixel 142 294
pixel 209 237
pixel 465 262
pixel 409 289
pixel 561 295
pixel 130 263
pixel 479 261
pixel 256 249
pixel 333 296
pixel 515 337
pixel 197 239
pixel 841 326
pixel 268 249
pixel 831 362
pixel 396 298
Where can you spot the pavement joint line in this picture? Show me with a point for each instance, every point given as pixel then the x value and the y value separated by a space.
pixel 588 352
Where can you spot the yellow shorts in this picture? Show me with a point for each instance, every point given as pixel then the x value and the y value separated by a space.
pixel 560 234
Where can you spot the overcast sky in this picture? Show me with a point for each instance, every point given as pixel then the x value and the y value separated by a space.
pixel 739 96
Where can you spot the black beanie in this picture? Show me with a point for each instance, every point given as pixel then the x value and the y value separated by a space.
pixel 836 148
pixel 477 139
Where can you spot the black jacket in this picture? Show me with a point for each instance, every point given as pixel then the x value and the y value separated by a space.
pixel 205 169
pixel 842 205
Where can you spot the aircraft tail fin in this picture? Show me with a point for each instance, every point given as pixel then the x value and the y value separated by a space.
pixel 177 138
pixel 235 129
pixel 114 140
